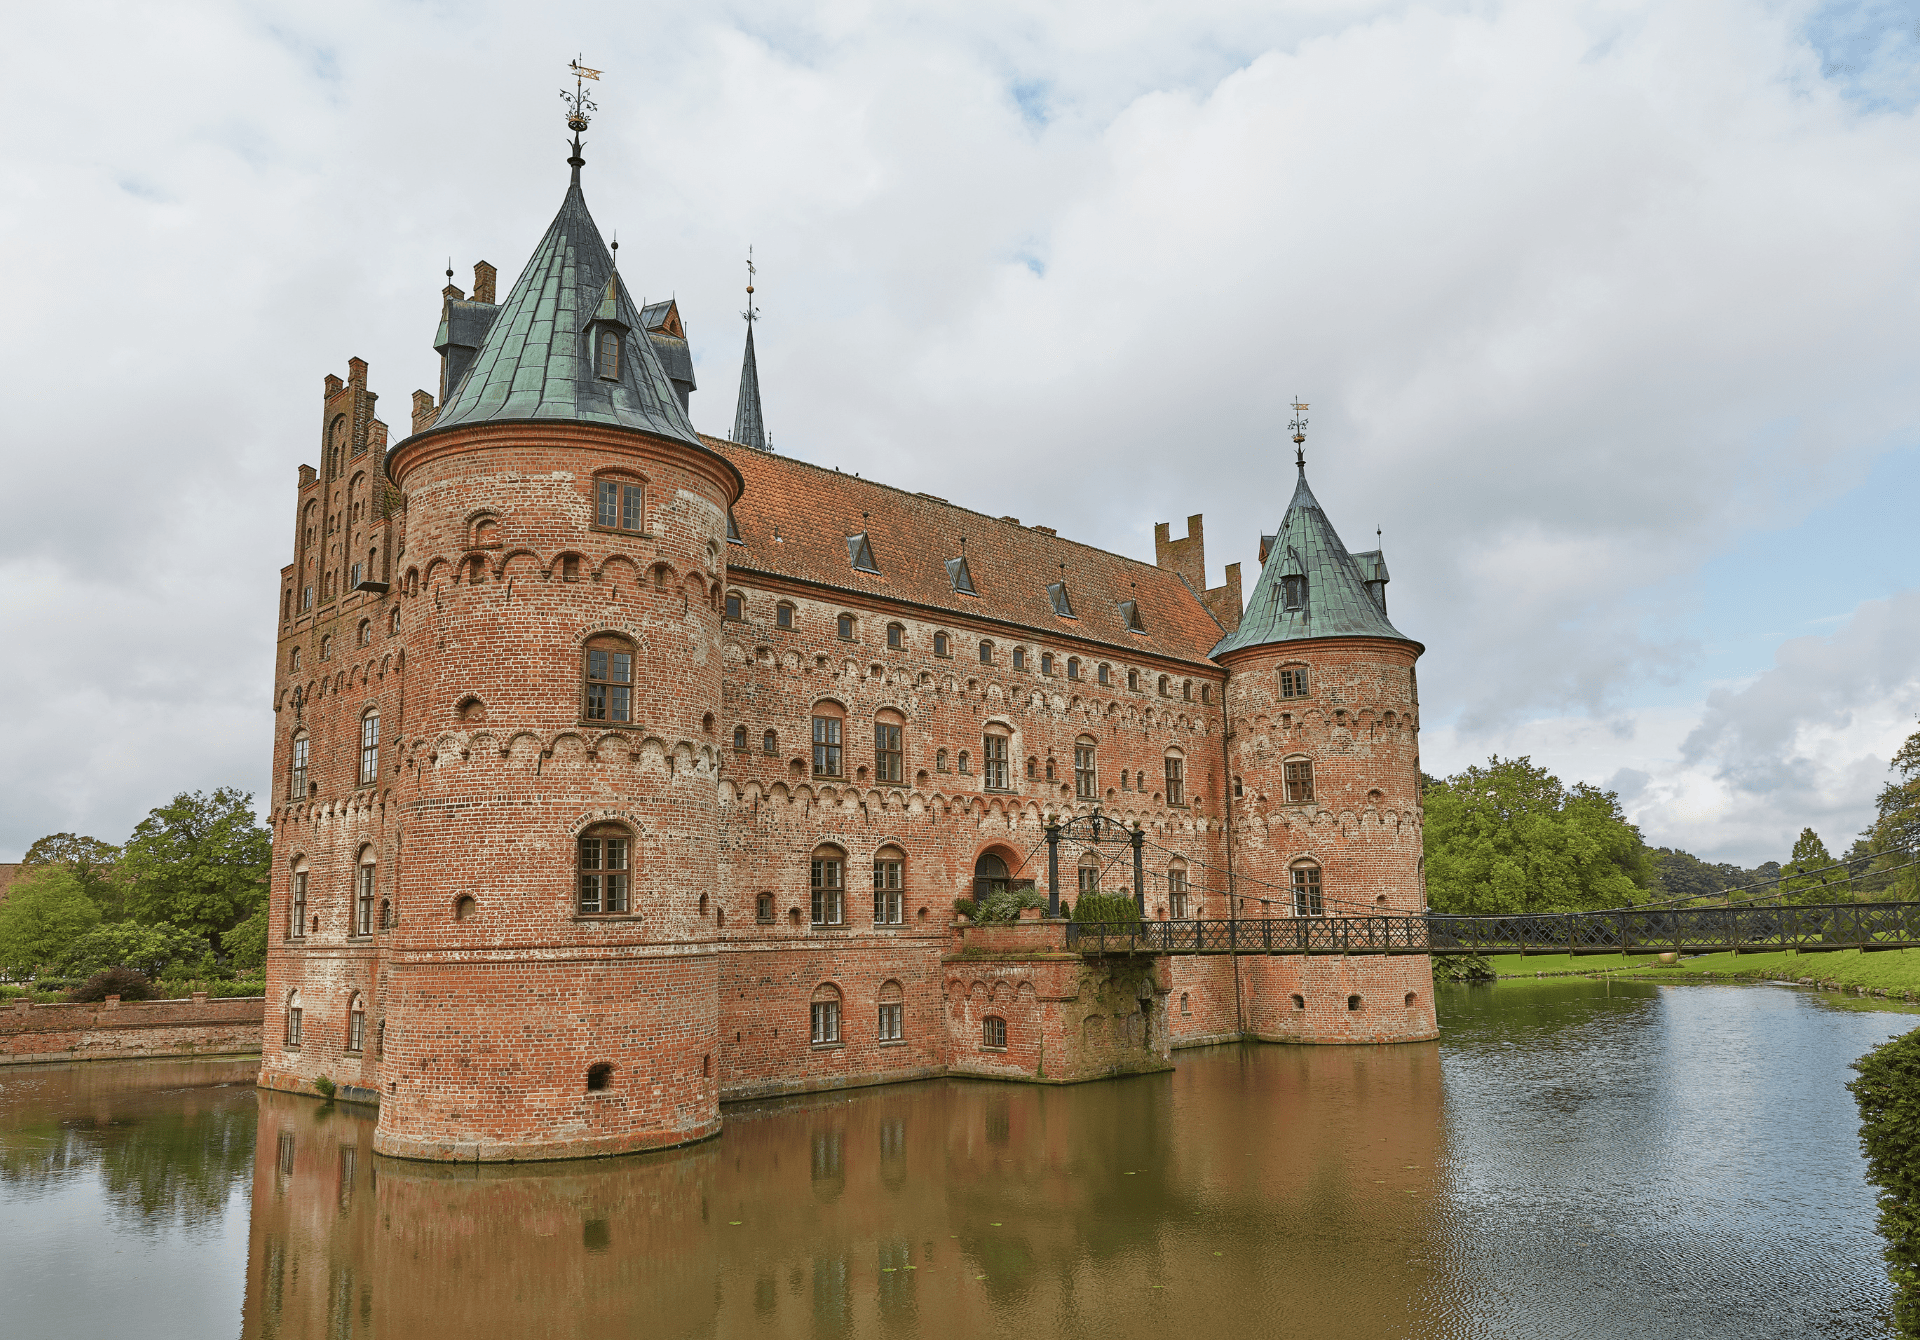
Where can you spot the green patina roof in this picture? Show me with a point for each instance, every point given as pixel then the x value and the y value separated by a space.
pixel 1338 602
pixel 536 361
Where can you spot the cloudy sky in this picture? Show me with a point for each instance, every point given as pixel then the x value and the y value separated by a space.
pixel 1606 314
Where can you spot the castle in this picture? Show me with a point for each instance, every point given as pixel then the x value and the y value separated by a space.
pixel 593 734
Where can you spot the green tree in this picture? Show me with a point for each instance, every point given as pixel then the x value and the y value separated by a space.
pixel 1896 828
pixel 199 863
pixel 146 949
pixel 1806 877
pixel 1510 837
pixel 246 944
pixel 1888 1094
pixel 46 911
pixel 93 862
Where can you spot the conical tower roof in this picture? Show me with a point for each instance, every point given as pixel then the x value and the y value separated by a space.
pixel 537 360
pixel 749 427
pixel 1338 601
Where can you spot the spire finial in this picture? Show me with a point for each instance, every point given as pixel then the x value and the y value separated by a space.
pixel 749 423
pixel 1299 427
pixel 578 105
pixel 752 313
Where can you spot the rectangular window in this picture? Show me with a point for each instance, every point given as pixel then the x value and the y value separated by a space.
pixel 887 897
pixel 1299 777
pixel 603 875
pixel 293 1029
pixel 993 1031
pixel 783 617
pixel 306 602
pixel 993 752
pixel 1086 785
pixel 631 512
pixel 1177 894
pixel 356 1031
pixel 1089 879
pixel 363 902
pixel 609 510
pixel 826 746
pixel 297 777
pixel 609 685
pixel 887 759
pixel 829 892
pixel 892 1020
pixel 1306 892
pixel 297 914
pixel 370 749
pixel 1293 683
pixel 734 606
pixel 826 1022
pixel 609 354
pixel 356 577
pixel 1176 785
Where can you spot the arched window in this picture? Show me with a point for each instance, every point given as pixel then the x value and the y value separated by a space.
pixel 1307 900
pixel 828 721
pixel 610 354
pixel 1046 662
pixel 1353 1002
pixel 889 759
pixel 965 764
pixel 783 615
pixel 1163 686
pixel 1186 1003
pixel 366 633
pixel 763 908
pixel 844 626
pixel 1049 768
pixel 606 870
pixel 1133 680
pixel 1293 591
pixel 297 901
pixel 599 1077
pixel 326 647
pixel 993 1033
pixel 736 605
pixel 293 1020
pixel 940 760
pixel 986 653
pixel 993 767
pixel 1298 774
pixel 357 1024
pixel 1089 873
pixel 940 646
pixel 1033 765
pixel 370 746
pixel 1177 888
pixel 825 1009
pixel 1126 780
pixel 1293 681
pixel 297 770
pixel 892 1013
pixel 829 887
pixel 1140 781
pixel 464 906
pixel 889 898
pixel 363 881
pixel 1176 778
pixel 1206 693
pixel 1186 689
pixel 1073 667
pixel 621 505
pixel 1019 658
pixel 607 670
pixel 740 739
pixel 896 636
pixel 386 914
pixel 1086 780
pixel 293 661
pixel 989 877
pixel 393 622
pixel 1106 673
pixel 769 744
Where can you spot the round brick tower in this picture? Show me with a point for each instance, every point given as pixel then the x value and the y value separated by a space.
pixel 550 983
pixel 1325 769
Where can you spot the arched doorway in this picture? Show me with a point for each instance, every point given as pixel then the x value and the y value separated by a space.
pixel 989 876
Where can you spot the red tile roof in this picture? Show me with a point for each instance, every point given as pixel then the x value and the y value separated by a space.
pixel 795 519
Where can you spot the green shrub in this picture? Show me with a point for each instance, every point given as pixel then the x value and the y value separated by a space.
pixel 326 1086
pixel 149 950
pixel 179 988
pixel 965 907
pixel 122 982
pixel 1888 1092
pixel 1007 904
pixel 1105 907
pixel 1462 968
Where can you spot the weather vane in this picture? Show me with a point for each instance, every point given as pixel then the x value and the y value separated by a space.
pixel 1299 427
pixel 752 313
pixel 578 105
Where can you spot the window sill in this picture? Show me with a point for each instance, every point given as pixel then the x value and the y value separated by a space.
pixel 589 917
pixel 351 1052
pixel 826 1046
pixel 891 1042
pixel 985 1048
pixel 616 530
pixel 604 725
pixel 840 927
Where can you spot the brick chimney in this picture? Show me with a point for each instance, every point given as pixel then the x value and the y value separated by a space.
pixel 483 277
pixel 424 411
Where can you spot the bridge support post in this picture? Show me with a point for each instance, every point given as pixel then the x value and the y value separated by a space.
pixel 1053 867
pixel 1138 839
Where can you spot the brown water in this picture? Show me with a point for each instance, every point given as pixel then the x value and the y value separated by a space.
pixel 1569 1160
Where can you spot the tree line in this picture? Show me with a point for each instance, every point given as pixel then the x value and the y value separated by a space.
pixel 1510 837
pixel 185 894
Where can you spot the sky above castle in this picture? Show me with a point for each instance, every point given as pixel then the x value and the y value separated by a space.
pixel 1605 314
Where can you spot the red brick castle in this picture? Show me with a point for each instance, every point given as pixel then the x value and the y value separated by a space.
pixel 625 770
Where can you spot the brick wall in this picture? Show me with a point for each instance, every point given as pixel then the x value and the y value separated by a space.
pixel 117 1030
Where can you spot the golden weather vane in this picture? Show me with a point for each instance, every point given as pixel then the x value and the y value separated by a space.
pixel 578 103
pixel 1299 427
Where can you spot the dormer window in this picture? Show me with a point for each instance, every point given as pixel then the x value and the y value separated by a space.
pixel 960 576
pixel 1293 592
pixel 1130 616
pixel 860 552
pixel 1057 594
pixel 610 355
pixel 733 529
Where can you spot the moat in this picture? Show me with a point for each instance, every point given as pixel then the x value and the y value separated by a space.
pixel 1570 1159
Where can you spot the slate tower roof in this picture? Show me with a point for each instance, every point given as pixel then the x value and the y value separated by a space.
pixel 538 359
pixel 749 427
pixel 1311 587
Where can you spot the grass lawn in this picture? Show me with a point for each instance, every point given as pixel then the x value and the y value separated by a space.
pixel 1893 970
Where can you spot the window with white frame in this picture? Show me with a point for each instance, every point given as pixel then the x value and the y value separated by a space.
pixel 889 867
pixel 370 746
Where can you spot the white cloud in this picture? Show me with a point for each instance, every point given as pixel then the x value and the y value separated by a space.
pixel 1582 294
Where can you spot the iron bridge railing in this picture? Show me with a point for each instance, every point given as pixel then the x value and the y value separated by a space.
pixel 1813 928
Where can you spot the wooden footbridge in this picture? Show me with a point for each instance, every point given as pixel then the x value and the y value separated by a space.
pixel 1746 929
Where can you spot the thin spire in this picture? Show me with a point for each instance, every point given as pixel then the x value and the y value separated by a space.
pixel 578 105
pixel 1300 436
pixel 749 424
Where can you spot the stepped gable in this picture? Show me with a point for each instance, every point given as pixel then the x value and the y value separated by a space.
pixel 1345 596
pixel 536 360
pixel 816 511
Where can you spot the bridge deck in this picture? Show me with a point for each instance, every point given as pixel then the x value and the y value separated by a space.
pixel 1809 929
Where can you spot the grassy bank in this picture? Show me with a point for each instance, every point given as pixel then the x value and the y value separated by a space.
pixel 1894 971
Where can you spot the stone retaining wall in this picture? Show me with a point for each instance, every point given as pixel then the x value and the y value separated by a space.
pixel 115 1030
